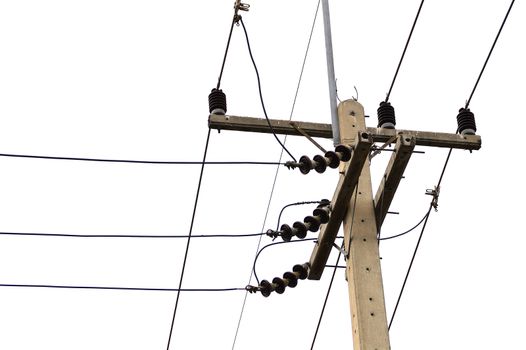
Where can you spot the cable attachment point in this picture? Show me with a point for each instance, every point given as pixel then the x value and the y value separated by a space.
pixel 331 159
pixel 466 122
pixel 273 234
pixel 435 193
pixel 310 223
pixel 251 289
pixel 278 285
pixel 239 6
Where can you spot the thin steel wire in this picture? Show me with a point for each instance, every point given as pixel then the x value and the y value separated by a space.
pixel 431 205
pixel 189 238
pixel 277 171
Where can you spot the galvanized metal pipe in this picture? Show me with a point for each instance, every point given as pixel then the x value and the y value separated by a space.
pixel 330 71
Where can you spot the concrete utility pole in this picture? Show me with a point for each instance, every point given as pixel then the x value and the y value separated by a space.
pixel 353 205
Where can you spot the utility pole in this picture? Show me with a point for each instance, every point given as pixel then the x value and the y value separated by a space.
pixel 353 204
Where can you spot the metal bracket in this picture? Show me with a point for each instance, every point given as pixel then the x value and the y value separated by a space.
pixel 295 126
pixel 435 193
pixel 378 150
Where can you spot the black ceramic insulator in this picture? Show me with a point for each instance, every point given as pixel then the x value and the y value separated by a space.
pixel 292 278
pixel 286 232
pixel 302 270
pixel 333 159
pixel 324 203
pixel 312 222
pixel 300 228
pixel 386 116
pixel 305 164
pixel 344 152
pixel 466 122
pixel 322 213
pixel 280 284
pixel 217 102
pixel 265 288
pixel 321 163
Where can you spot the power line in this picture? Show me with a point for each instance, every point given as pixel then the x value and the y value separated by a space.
pixel 489 54
pixel 70 235
pixel 431 205
pixel 140 161
pixel 277 168
pixel 52 286
pixel 260 92
pixel 405 49
pixel 326 299
pixel 293 204
pixel 270 245
pixel 408 231
pixel 234 20
pixel 189 237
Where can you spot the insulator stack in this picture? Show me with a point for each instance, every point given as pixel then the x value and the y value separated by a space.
pixel 217 102
pixel 386 116
pixel 331 159
pixel 310 223
pixel 466 122
pixel 290 279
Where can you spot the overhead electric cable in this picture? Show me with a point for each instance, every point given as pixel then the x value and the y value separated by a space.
pixel 405 49
pixel 140 161
pixel 293 204
pixel 52 286
pixel 431 205
pixel 408 231
pixel 71 235
pixel 226 51
pixel 326 299
pixel 277 168
pixel 273 244
pixel 489 54
pixel 189 237
pixel 260 92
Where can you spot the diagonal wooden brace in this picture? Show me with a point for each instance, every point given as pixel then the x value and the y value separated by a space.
pixel 340 200
pixel 393 174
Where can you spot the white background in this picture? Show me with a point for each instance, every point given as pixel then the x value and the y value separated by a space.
pixel 130 80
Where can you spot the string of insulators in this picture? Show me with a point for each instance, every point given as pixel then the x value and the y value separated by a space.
pixel 217 102
pixel 310 223
pixel 386 116
pixel 331 159
pixel 278 285
pixel 466 122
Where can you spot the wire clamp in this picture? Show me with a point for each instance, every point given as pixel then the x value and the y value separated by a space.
pixel 251 289
pixel 435 193
pixel 239 6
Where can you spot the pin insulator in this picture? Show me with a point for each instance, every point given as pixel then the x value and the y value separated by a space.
pixel 300 229
pixel 320 163
pixel 301 270
pixel 217 102
pixel 322 213
pixel 266 288
pixel 312 222
pixel 333 159
pixel 386 116
pixel 466 122
pixel 305 165
pixel 344 152
pixel 292 278
pixel 286 232
pixel 280 284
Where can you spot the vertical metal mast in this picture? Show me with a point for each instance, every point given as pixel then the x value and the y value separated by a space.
pixel 330 71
